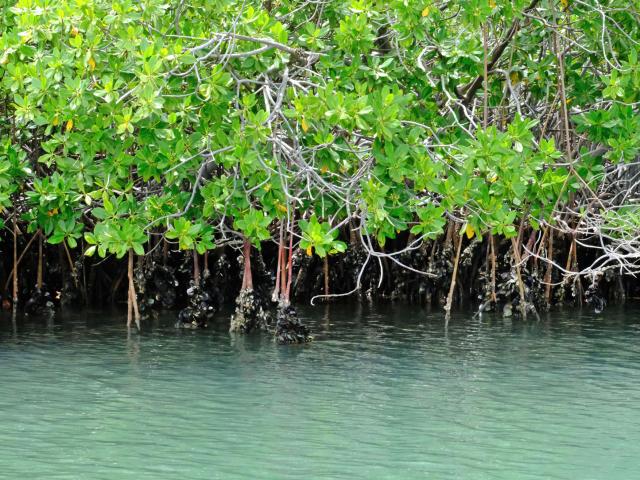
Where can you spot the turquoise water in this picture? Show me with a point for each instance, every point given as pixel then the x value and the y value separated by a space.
pixel 387 393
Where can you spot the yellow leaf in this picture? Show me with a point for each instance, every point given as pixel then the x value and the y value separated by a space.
pixel 92 64
pixel 309 251
pixel 304 125
pixel 492 3
pixel 25 36
pixel 565 4
pixel 324 169
pixel 425 12
pixel 56 121
pixel 469 231
pixel 281 207
pixel 69 125
pixel 493 178
pixel 514 77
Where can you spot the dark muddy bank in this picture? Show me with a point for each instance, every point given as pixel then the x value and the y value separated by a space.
pixel 513 277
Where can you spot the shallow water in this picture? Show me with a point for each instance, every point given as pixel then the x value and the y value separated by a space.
pixel 386 393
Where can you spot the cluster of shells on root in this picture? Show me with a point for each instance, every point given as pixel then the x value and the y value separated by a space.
pixel 289 328
pixel 70 293
pixel 593 295
pixel 507 290
pixel 408 284
pixel 40 304
pixel 468 253
pixel 249 314
pixel 353 261
pixel 439 266
pixel 200 310
pixel 157 288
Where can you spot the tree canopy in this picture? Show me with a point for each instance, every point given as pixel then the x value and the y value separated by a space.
pixel 206 121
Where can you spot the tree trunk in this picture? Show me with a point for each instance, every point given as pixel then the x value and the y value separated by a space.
pixel 287 295
pixel 485 97
pixel 454 275
pixel 39 275
pixel 15 262
pixel 72 267
pixel 325 271
pixel 516 258
pixel 247 279
pixel 579 290
pixel 276 289
pixel 132 304
pixel 493 268
pixel 283 270
pixel 547 277
pixel 353 237
pixel 129 307
pixel 196 267
pixel 165 251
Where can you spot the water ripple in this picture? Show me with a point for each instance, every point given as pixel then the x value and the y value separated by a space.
pixel 386 393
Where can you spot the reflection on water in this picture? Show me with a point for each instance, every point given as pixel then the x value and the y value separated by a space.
pixel 384 392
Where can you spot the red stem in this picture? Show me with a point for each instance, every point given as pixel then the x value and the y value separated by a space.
pixel 247 279
pixel 276 290
pixel 289 270
pixel 283 270
pixel 196 267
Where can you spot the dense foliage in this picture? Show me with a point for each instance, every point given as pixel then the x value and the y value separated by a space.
pixel 206 122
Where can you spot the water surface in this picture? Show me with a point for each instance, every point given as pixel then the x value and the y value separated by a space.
pixel 383 393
